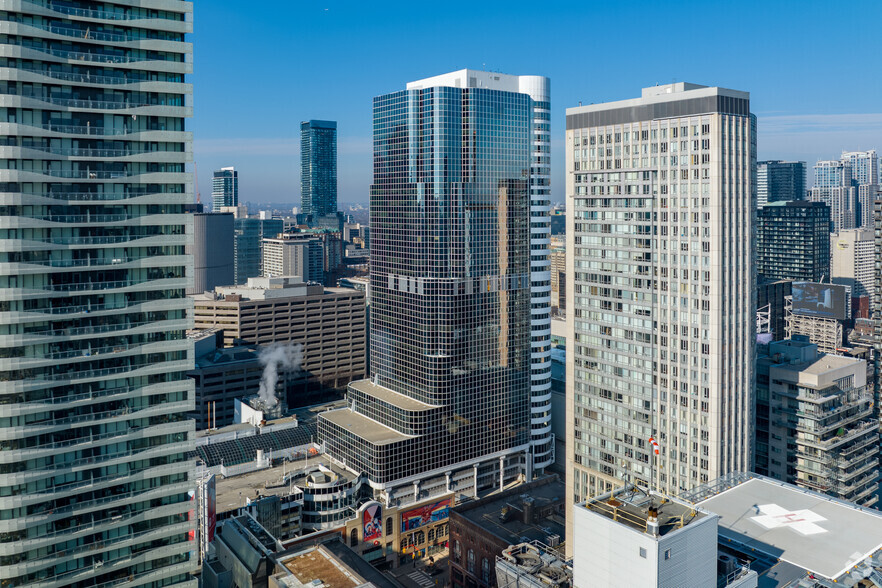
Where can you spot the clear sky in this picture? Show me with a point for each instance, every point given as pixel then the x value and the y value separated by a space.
pixel 813 69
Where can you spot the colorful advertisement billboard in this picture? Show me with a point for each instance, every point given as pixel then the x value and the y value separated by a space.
pixel 418 517
pixel 211 508
pixel 372 518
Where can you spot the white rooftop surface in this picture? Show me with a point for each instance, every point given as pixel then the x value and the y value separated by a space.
pixel 806 529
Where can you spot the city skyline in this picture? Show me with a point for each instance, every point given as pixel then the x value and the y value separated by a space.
pixel 798 119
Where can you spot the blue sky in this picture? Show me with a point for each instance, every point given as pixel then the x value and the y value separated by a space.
pixel 813 69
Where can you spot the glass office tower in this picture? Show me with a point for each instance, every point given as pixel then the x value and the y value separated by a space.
pixel 94 474
pixel 318 168
pixel 779 181
pixel 450 385
pixel 224 188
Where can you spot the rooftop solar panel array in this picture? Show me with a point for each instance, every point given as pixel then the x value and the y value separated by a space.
pixel 243 450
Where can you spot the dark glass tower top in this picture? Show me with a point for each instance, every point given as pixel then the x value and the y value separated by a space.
pixel 318 168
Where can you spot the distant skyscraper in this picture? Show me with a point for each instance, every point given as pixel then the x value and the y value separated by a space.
pixel 449 399
pixel 660 289
pixel 793 241
pixel 779 181
pixel 225 188
pixel 865 178
pixel 318 168
pixel 248 236
pixel 833 186
pixel 864 166
pixel 294 255
pixel 213 252
pixel 95 470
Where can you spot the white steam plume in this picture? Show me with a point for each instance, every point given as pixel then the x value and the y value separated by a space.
pixel 284 356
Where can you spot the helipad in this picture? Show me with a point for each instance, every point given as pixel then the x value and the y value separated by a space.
pixel 811 531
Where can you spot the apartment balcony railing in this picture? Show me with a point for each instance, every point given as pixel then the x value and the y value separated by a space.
pixel 78 218
pixel 102 545
pixel 82 78
pixel 85 12
pixel 53 403
pixel 87 102
pixel 82 34
pixel 106 240
pixel 86 130
pixel 88 330
pixel 75 376
pixel 84 55
pixel 97 153
pixel 92 196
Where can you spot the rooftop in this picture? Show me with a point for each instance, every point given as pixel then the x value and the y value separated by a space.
pixel 633 507
pixel 330 565
pixel 390 396
pixel 368 429
pixel 502 514
pixel 808 530
pixel 233 491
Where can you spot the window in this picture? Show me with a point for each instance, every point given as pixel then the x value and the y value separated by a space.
pixel 667 554
pixel 643 552
pixel 353 537
pixel 485 570
pixel 388 525
pixel 471 562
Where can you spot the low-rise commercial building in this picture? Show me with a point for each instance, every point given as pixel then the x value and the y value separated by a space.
pixel 481 530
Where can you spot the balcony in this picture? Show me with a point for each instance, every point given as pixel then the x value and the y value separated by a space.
pixel 88 103
pixel 11 386
pixel 95 197
pixel 84 12
pixel 81 34
pixel 94 153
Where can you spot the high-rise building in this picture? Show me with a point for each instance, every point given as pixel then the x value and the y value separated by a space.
pixel 779 181
pixel 865 178
pixel 864 166
pixel 449 404
pixel 213 252
pixel 318 168
pixel 294 255
pixel 660 288
pixel 224 188
pixel 793 241
pixel 96 473
pixel 815 425
pixel 248 236
pixel 853 263
pixel 833 186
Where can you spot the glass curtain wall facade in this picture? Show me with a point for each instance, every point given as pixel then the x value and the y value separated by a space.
pixel 661 289
pixel 94 473
pixel 224 188
pixel 248 236
pixel 779 181
pixel 318 168
pixel 450 285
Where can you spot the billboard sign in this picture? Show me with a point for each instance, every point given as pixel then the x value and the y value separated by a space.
pixel 424 515
pixel 820 300
pixel 372 521
pixel 211 508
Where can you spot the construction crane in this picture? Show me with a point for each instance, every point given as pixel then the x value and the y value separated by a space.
pixel 196 179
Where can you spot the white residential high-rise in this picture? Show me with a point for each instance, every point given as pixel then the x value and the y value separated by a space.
pixel 853 262
pixel 660 289
pixel 95 474
pixel 833 186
